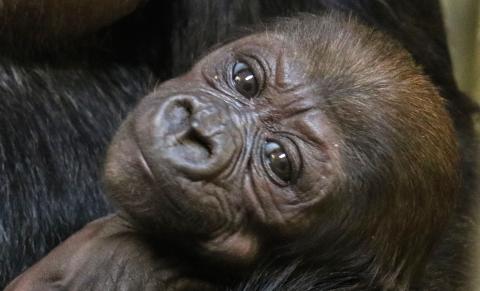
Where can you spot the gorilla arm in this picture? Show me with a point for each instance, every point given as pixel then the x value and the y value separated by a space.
pixel 107 254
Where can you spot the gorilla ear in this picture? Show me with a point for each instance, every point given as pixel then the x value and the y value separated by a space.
pixel 46 21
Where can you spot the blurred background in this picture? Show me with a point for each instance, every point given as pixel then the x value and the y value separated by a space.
pixel 462 20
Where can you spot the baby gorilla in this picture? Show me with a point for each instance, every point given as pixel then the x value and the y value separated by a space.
pixel 317 141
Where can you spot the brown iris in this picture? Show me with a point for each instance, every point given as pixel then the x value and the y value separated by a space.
pixel 244 79
pixel 278 161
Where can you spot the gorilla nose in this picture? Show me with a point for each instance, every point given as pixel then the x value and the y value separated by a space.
pixel 191 133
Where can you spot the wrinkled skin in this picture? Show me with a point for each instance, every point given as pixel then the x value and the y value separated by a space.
pixel 363 164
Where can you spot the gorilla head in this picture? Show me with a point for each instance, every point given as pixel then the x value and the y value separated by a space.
pixel 318 137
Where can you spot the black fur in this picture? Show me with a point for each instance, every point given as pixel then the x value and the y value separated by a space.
pixel 55 123
pixel 59 108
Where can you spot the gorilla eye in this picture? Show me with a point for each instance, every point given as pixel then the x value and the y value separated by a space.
pixel 277 160
pixel 245 80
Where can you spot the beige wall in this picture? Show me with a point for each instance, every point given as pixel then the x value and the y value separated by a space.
pixel 462 19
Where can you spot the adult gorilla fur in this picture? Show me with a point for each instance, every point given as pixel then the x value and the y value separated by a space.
pixel 61 103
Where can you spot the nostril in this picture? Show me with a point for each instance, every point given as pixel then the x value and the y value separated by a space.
pixel 195 136
pixel 178 117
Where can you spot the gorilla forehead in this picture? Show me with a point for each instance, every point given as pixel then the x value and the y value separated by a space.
pixel 318 59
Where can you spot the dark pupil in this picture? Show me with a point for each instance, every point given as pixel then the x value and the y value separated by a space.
pixel 278 161
pixel 245 81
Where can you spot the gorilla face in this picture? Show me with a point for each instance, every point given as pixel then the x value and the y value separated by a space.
pixel 319 134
